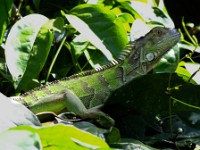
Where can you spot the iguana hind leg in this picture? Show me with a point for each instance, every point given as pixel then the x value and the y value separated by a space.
pixel 74 104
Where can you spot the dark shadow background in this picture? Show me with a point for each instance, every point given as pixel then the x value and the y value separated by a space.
pixel 189 9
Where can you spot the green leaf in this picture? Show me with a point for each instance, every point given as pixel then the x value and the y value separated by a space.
pixel 61 137
pixel 5 10
pixel 27 48
pixel 127 18
pixel 146 98
pixel 79 45
pixel 126 6
pixel 184 72
pixel 101 27
pixel 153 90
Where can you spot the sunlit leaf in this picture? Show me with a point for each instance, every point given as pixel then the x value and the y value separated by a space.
pixel 61 137
pixel 27 47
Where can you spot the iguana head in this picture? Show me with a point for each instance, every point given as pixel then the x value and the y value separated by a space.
pixel 150 48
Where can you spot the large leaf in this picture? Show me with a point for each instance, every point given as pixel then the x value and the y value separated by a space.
pixel 144 102
pixel 60 137
pixel 5 9
pixel 101 27
pixel 27 47
pixel 152 90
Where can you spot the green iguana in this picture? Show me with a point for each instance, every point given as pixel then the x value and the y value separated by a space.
pixel 83 93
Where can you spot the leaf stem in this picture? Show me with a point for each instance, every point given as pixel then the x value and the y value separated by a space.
pixel 186 104
pixel 54 58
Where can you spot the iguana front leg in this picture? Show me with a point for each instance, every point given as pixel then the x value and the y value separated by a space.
pixel 74 104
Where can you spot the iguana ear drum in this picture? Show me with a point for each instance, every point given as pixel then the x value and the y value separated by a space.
pixel 150 56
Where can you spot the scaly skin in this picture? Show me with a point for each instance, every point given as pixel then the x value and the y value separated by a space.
pixel 92 88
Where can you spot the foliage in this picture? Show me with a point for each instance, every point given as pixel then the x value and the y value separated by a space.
pixel 83 38
pixel 58 137
pixel 44 41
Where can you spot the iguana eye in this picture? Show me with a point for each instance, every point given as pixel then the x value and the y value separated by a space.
pixel 159 32
pixel 150 56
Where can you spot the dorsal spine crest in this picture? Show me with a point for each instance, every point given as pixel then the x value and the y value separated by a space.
pixel 113 63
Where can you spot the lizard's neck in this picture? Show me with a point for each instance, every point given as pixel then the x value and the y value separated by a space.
pixel 132 66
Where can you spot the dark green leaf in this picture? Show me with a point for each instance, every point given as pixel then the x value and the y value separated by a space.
pixel 37 4
pixel 5 10
pixel 136 105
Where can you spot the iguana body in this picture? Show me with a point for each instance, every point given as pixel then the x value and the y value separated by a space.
pixel 87 90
